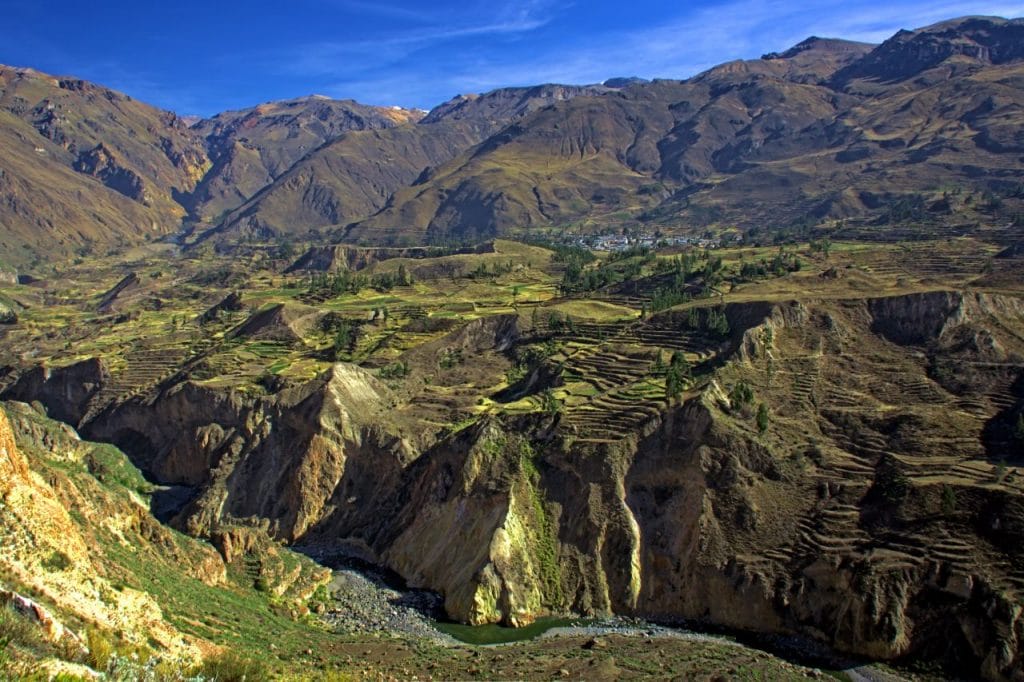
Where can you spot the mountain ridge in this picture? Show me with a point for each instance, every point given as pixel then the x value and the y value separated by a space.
pixel 787 140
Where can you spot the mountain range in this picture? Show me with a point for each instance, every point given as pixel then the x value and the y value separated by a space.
pixel 827 134
pixel 780 397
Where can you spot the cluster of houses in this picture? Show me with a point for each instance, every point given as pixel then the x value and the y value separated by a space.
pixel 620 242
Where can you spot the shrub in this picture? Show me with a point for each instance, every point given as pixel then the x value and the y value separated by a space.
pixel 396 370
pixel 57 561
pixel 1000 471
pixel 101 649
pixel 110 655
pixel 741 395
pixel 762 417
pixel 450 357
pixel 890 484
pixel 948 500
pixel 231 667
pixel 549 403
pixel 17 630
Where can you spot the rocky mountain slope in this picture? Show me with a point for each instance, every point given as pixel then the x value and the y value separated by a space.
pixel 356 175
pixel 828 130
pixel 79 538
pixel 818 133
pixel 86 167
pixel 253 147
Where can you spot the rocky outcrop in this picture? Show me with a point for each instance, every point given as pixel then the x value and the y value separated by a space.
pixel 251 552
pixel 101 163
pixel 935 317
pixel 108 565
pixel 699 494
pixel 345 257
pixel 47 551
pixel 13 467
pixel 127 283
pixel 471 522
pixel 66 391
pixel 282 322
pixel 7 314
pixel 52 629
pixel 275 460
pixel 977 40
pixel 232 303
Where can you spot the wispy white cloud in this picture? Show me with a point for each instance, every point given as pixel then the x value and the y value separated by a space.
pixel 336 58
pixel 383 9
pixel 740 29
pixel 694 41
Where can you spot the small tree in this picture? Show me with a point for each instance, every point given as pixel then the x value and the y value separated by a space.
pixel 680 363
pixel 1000 472
pixel 549 403
pixel 693 319
pixel 718 323
pixel 890 484
pixel 767 340
pixel 948 500
pixel 673 383
pixel 342 339
pixel 824 246
pixel 762 417
pixel 740 395
pixel 658 367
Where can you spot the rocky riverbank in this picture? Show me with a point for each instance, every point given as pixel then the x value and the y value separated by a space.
pixel 365 600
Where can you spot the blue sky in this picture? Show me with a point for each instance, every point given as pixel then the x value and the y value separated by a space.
pixel 204 57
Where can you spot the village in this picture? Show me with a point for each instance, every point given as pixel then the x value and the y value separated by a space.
pixel 623 242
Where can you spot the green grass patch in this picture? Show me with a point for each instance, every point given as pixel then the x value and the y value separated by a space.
pixel 499 634
pixel 278 366
pixel 596 311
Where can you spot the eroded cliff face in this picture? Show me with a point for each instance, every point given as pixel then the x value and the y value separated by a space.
pixel 473 525
pixel 341 257
pixel 729 538
pixel 271 461
pixel 66 391
pixel 868 513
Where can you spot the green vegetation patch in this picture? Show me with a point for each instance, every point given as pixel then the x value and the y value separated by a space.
pixel 499 634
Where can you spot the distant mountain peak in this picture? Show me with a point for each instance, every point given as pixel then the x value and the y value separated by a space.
pixel 959 22
pixel 819 45
pixel 967 40
pixel 624 81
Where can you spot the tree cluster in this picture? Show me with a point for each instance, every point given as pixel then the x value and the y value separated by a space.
pixel 343 282
pixel 781 263
pixel 710 320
